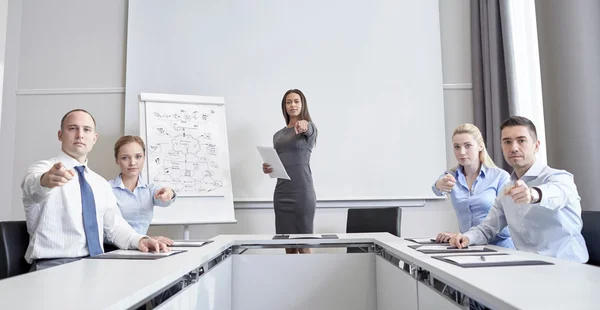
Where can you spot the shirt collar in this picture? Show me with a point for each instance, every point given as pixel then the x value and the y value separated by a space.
pixel 534 171
pixel 118 182
pixel 482 171
pixel 70 162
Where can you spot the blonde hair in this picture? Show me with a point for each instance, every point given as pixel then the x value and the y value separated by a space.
pixel 126 140
pixel 471 129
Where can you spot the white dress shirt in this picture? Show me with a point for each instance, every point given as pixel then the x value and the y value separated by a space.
pixel 54 216
pixel 551 227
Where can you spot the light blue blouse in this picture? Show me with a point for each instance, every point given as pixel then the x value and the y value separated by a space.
pixel 472 206
pixel 137 207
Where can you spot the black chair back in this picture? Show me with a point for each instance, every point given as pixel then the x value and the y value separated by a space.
pixel 371 220
pixel 14 240
pixel 366 220
pixel 591 234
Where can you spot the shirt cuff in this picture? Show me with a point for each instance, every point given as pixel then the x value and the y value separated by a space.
pixel 472 236
pixel 437 192
pixel 136 240
pixel 42 189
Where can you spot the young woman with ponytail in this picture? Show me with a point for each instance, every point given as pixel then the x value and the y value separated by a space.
pixel 473 184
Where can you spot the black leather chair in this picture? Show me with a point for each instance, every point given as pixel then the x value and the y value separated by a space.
pixel 109 247
pixel 374 220
pixel 369 220
pixel 591 234
pixel 14 240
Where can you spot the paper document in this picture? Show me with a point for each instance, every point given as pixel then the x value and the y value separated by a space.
pixel 447 248
pixel 189 243
pixel 269 156
pixel 136 253
pixel 486 259
pixel 422 240
pixel 305 237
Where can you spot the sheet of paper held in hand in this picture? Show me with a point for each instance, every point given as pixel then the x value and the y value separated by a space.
pixel 269 156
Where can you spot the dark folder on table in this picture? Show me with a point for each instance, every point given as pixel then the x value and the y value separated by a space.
pixel 487 260
pixel 135 254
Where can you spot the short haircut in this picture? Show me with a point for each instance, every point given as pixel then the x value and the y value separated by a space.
pixel 62 121
pixel 520 121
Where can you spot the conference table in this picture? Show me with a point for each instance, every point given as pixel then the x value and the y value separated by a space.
pixel 355 271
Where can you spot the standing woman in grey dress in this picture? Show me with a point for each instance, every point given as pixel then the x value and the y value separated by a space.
pixel 295 200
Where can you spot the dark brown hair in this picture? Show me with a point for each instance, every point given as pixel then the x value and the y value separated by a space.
pixel 520 121
pixel 304 114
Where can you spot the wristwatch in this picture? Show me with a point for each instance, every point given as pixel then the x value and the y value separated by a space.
pixel 535 195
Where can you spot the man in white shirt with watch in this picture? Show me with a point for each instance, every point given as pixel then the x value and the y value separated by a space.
pixel 69 208
pixel 541 207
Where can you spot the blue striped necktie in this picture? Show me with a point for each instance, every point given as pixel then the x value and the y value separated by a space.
pixel 90 222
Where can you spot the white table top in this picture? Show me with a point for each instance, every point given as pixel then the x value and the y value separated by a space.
pixel 119 284
pixel 564 285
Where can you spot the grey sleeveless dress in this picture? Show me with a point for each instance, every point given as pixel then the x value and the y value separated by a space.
pixel 295 200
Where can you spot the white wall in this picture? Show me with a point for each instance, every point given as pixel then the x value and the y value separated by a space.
pixel 370 59
pixel 3 20
pixel 68 54
pixel 7 124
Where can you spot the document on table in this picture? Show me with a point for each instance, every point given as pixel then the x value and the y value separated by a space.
pixel 437 249
pixel 135 254
pixel 444 247
pixel 486 259
pixel 305 237
pixel 269 156
pixel 422 240
pixel 190 243
pixel 309 236
pixel 494 260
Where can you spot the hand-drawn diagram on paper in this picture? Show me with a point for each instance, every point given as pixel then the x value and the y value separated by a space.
pixel 183 148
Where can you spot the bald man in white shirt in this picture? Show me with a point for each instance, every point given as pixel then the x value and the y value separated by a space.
pixel 69 208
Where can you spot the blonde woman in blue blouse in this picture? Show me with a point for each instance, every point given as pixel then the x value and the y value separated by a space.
pixel 473 184
pixel 136 198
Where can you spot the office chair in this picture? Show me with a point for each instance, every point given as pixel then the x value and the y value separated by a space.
pixel 591 234
pixel 109 247
pixel 373 220
pixel 14 240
